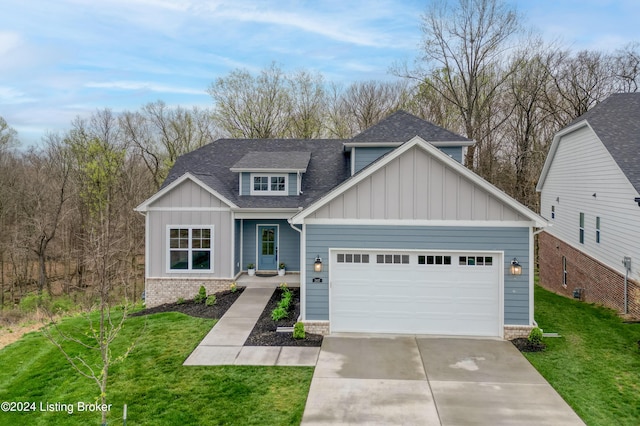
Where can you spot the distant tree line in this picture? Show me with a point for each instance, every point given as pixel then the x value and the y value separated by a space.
pixel 66 205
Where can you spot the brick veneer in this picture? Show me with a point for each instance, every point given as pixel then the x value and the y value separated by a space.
pixel 601 284
pixel 317 327
pixel 168 290
pixel 515 331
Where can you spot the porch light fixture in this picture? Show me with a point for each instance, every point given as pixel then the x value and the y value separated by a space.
pixel 317 266
pixel 516 269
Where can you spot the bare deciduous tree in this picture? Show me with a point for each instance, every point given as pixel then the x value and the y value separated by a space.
pixel 465 47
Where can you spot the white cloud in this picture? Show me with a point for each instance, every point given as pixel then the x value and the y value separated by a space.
pixel 9 41
pixel 9 95
pixel 143 85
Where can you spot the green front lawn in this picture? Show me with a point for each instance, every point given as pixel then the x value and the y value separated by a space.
pixel 152 381
pixel 595 365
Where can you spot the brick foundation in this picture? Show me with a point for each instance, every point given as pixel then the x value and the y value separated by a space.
pixel 515 331
pixel 159 291
pixel 601 284
pixel 317 327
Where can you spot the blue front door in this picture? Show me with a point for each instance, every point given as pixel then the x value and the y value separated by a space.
pixel 267 247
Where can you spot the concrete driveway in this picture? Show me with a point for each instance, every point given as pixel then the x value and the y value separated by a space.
pixel 409 380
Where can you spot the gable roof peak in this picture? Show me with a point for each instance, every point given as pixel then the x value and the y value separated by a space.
pixel 616 122
pixel 401 126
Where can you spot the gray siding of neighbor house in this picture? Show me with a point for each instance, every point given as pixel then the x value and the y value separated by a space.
pixel 417 186
pixel 246 183
pixel 582 167
pixel 513 241
pixel 162 214
pixel 288 243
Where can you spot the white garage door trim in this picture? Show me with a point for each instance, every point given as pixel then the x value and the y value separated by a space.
pixel 492 326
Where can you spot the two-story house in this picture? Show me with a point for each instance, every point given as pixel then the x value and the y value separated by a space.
pixel 388 231
pixel 590 194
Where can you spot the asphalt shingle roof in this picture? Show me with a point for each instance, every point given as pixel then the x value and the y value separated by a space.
pixel 326 162
pixel 616 121
pixel 273 160
pixel 327 167
pixel 402 127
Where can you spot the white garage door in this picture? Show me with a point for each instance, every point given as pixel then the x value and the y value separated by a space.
pixel 416 292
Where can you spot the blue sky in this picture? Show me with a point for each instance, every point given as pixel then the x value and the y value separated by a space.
pixel 64 58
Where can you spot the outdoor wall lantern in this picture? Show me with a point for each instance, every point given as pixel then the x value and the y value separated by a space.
pixel 317 266
pixel 516 268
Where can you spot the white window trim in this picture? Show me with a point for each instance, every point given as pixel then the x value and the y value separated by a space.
pixel 189 270
pixel 269 191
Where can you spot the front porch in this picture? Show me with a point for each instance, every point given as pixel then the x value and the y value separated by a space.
pixel 292 279
pixel 265 244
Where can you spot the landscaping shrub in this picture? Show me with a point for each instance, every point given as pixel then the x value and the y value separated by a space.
pixel 535 336
pixel 285 302
pixel 211 300
pixel 298 331
pixel 201 297
pixel 180 301
pixel 233 287
pixel 279 313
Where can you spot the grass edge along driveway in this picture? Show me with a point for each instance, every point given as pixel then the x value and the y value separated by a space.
pixel 595 365
pixel 152 381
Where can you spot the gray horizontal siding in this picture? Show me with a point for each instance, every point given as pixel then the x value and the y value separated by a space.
pixel 367 155
pixel 454 152
pixel 514 242
pixel 288 243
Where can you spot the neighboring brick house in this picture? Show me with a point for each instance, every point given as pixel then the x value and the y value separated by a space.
pixel 590 194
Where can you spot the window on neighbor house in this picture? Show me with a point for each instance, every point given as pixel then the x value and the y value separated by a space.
pixel 581 228
pixel 553 212
pixel 269 185
pixel 564 272
pixel 598 229
pixel 190 248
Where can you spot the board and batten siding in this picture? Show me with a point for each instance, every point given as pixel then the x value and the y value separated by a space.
pixel 582 167
pixel 514 242
pixel 417 186
pixel 173 209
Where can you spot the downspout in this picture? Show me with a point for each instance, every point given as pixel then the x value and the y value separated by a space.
pixel 302 287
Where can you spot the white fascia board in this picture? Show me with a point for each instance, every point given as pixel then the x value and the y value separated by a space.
pixel 433 223
pixel 265 213
pixel 187 176
pixel 554 148
pixel 257 170
pixel 372 144
pixel 438 154
pixel 397 144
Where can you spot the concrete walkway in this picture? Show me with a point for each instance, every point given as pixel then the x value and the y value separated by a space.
pixel 415 380
pixel 223 345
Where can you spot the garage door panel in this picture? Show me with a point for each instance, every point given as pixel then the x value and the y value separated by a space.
pixel 417 298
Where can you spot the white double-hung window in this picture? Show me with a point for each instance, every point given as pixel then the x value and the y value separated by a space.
pixel 269 184
pixel 190 248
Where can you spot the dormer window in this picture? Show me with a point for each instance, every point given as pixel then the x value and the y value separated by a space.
pixel 268 184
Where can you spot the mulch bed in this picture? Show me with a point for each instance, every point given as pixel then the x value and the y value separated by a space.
pixel 524 345
pixel 264 333
pixel 224 300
